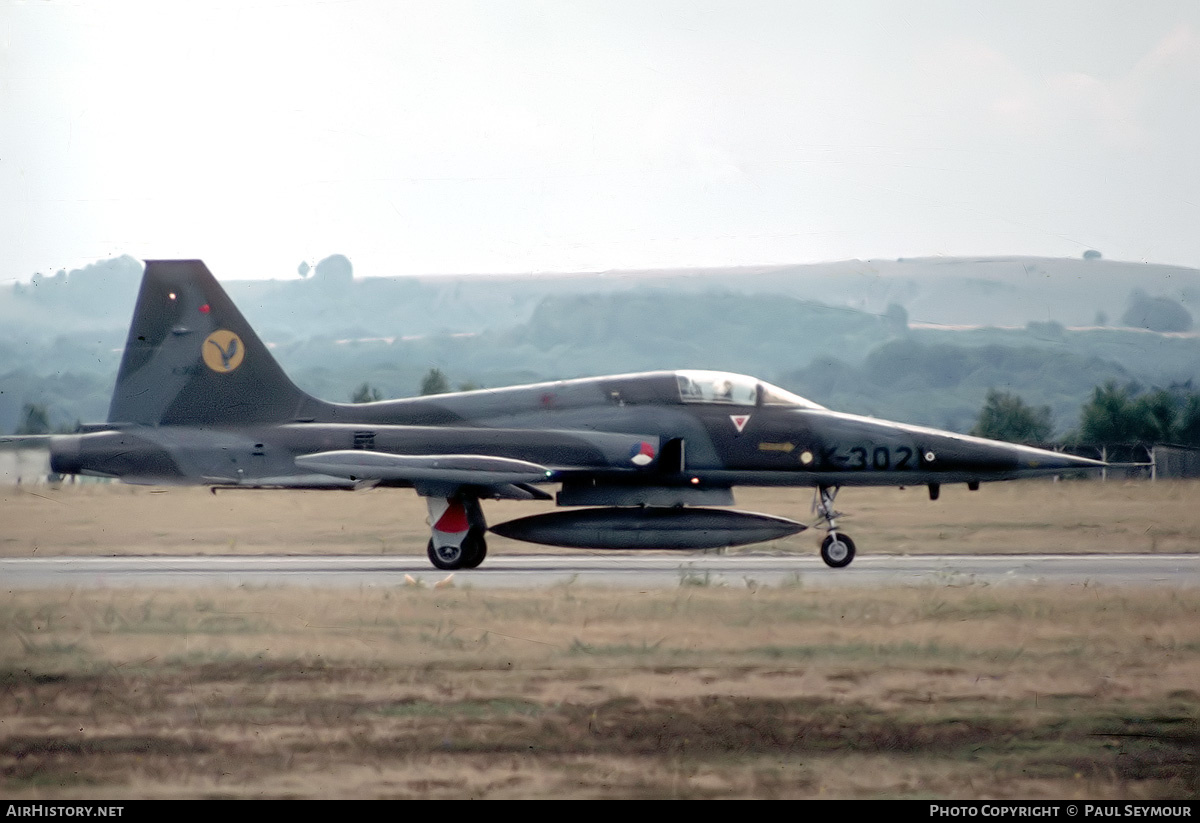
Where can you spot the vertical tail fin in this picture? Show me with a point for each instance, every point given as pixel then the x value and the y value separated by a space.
pixel 192 359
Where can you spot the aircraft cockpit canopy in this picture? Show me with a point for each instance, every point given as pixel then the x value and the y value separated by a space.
pixel 734 389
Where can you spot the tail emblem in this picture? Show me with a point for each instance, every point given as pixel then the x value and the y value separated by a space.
pixel 223 351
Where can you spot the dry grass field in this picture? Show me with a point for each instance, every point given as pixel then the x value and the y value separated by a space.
pixel 580 692
pixel 1018 517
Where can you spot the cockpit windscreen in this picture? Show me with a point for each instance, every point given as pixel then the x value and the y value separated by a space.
pixel 734 389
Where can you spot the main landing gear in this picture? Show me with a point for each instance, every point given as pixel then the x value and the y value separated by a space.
pixel 837 549
pixel 458 528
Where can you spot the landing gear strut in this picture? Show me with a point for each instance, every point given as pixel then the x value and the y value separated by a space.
pixel 837 549
pixel 458 528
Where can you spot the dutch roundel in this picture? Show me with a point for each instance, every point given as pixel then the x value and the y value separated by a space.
pixel 642 453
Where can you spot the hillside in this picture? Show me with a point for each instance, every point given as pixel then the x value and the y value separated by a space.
pixel 918 340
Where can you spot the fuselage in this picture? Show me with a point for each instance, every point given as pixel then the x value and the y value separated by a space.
pixel 199 399
pixel 726 430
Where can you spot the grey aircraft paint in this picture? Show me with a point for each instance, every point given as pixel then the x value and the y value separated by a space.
pixel 200 400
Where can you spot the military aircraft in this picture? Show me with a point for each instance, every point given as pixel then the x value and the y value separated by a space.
pixel 641 461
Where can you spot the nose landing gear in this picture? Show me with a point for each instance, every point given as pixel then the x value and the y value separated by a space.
pixel 837 549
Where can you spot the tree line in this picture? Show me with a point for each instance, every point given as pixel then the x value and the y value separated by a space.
pixel 1115 415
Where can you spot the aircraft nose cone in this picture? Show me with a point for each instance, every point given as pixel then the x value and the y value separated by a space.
pixel 993 457
pixel 1057 461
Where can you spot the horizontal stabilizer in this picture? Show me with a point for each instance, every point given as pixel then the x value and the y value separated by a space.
pixel 468 469
pixel 25 441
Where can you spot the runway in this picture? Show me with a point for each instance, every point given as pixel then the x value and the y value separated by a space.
pixel 619 569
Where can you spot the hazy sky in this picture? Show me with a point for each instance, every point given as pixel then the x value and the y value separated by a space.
pixel 532 136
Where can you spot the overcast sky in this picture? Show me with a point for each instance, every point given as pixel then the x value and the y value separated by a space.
pixel 433 137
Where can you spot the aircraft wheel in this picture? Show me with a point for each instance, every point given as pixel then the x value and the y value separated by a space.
pixel 466 556
pixel 837 550
pixel 448 558
pixel 475 547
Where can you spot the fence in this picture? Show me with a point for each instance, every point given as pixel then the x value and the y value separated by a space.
pixel 1142 461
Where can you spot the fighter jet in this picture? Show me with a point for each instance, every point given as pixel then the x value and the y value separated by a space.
pixel 637 461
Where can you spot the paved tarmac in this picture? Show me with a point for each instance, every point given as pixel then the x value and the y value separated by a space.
pixel 624 569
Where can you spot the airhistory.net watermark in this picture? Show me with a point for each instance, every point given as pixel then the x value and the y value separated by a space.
pixel 51 810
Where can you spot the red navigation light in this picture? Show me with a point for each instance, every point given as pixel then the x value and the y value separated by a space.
pixel 205 309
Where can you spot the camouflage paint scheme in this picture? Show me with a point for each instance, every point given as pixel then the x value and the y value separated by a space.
pixel 200 400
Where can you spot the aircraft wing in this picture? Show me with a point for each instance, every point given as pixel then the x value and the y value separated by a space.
pixel 435 469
